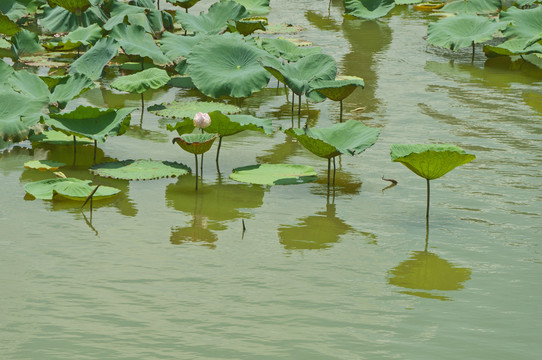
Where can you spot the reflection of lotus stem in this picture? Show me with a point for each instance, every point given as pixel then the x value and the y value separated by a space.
pixel 293 101
pixel 299 107
pixel 328 170
pixel 427 212
pixel 142 110
pixel 196 157
pixel 341 113
pixel 333 171
pixel 201 166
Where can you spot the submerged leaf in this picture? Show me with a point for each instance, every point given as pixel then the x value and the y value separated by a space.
pixel 274 174
pixel 139 169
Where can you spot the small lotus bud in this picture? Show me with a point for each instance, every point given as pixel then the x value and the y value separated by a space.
pixel 202 120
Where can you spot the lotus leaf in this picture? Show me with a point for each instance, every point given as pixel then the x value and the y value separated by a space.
pixel 281 28
pixel 73 6
pixel 430 161
pixel 81 36
pixel 247 26
pixel 410 2
pixel 7 26
pixel 215 20
pixel 93 61
pixel 182 109
pixel 287 50
pixel 25 42
pixel 512 47
pixel 135 41
pixel 44 165
pixel 143 14
pixel 90 122
pixel 298 75
pixel 140 82
pixel 13 9
pixel 185 4
pixel 70 188
pixel 59 19
pixel 196 143
pixel 177 47
pixel 57 138
pixel 139 169
pixel 256 7
pixel 30 85
pixel 74 86
pixel 16 121
pixel 368 9
pixel 472 6
pixel 462 31
pixel 5 72
pixel 181 81
pixel 526 24
pixel 274 174
pixel 225 65
pixel 338 89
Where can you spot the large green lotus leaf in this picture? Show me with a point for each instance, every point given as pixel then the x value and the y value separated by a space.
pixel 185 4
pixel 57 138
pixel 73 6
pixel 316 146
pixel 75 85
pixel 215 20
pixel 59 19
pixel 351 137
pixel 135 41
pixel 93 61
pixel 526 23
pixel 229 125
pixel 256 7
pixel 16 121
pixel 368 9
pixel 338 89
pixel 196 143
pixel 182 109
pixel 44 189
pixel 274 174
pixel 225 65
pixel 288 50
pixel 81 192
pixel 430 161
pixel 140 82
pixel 7 26
pixel 139 169
pixel 144 15
pixel 13 9
pixel 90 122
pixel 81 36
pixel 5 72
pixel 516 46
pixel 25 42
pixel 472 6
pixel 31 85
pixel 462 30
pixel 177 47
pixel 44 165
pixel 299 74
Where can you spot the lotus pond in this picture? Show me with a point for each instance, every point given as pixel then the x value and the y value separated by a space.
pixel 350 271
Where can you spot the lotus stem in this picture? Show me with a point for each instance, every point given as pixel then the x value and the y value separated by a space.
pixel 196 157
pixel 158 4
pixel 74 149
pixel 472 52
pixel 428 197
pixel 299 107
pixel 426 235
pixel 95 146
pixel 218 150
pixel 341 113
pixel 142 111
pixel 293 101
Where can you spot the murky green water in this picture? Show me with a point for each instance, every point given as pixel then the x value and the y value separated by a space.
pixel 164 274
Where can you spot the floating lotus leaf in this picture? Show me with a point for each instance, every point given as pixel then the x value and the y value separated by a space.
pixel 26 42
pixel 57 138
pixel 226 65
pixel 139 169
pixel 71 188
pixel 516 46
pixel 215 20
pixel 81 36
pixel 93 61
pixel 338 89
pixel 90 122
pixel 351 137
pixel 411 2
pixel 473 7
pixel 297 75
pixel 177 47
pixel 182 109
pixel 185 4
pixel 59 19
pixel 256 7
pixel 526 23
pixel 140 82
pixel 46 60
pixel 274 174
pixel 368 9
pixel 462 30
pixel 16 121
pixel 430 161
pixel 135 41
pixel 287 50
pixel 44 165
pixel 196 143
pixel 73 6
pixel 281 28
pixel 7 26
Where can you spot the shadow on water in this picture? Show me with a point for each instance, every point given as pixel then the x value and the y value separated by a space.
pixel 425 274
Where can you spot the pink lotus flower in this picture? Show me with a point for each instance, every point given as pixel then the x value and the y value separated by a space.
pixel 202 120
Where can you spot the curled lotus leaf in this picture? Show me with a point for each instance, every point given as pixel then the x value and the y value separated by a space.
pixel 70 188
pixel 26 42
pixel 430 161
pixel 44 165
pixel 226 65
pixel 73 6
pixel 287 50
pixel 516 46
pixel 215 20
pixel 227 125
pixel 247 26
pixel 134 40
pixel 7 26
pixel 274 174
pixel 59 19
pixel 17 122
pixel 196 143
pixel 139 169
pixel 338 89
pixel 81 36
pixel 93 61
pixel 177 47
pixel 182 109
pixel 525 23
pixel 140 82
pixel 368 9
pixel 185 4
pixel 256 7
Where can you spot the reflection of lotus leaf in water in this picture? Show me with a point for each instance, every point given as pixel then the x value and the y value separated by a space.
pixel 193 234
pixel 426 271
pixel 318 231
pixel 220 202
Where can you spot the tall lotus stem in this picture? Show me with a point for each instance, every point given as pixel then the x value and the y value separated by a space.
pixel 472 52
pixel 95 146
pixel 293 101
pixel 341 113
pixel 142 110
pixel 428 195
pixel 74 149
pixel 299 107
pixel 218 151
